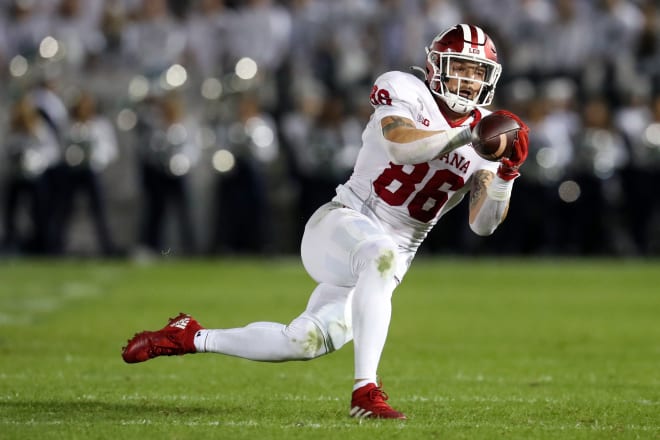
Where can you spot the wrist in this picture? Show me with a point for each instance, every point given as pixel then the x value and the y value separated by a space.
pixel 458 136
pixel 500 189
pixel 507 173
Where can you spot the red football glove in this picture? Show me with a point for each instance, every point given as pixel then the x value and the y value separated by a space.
pixel 508 169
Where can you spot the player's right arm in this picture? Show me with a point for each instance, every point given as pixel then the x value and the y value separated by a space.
pixel 486 211
pixel 490 192
pixel 407 144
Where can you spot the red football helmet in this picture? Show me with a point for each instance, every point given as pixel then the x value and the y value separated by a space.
pixel 463 43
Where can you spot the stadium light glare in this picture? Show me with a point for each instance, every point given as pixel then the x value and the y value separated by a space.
pixel 652 135
pixel 569 191
pixel 34 162
pixel 246 68
pixel 48 47
pixel 546 158
pixel 18 66
pixel 263 136
pixel 126 119
pixel 138 88
pixel 179 165
pixel 211 88
pixel 223 161
pixel 176 76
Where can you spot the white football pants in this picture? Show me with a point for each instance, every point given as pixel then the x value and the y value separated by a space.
pixel 355 262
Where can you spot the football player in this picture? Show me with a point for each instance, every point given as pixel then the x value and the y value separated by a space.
pixel 415 164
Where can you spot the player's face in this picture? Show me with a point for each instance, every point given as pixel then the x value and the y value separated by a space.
pixel 472 75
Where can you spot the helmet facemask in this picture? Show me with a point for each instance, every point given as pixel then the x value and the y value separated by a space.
pixel 440 72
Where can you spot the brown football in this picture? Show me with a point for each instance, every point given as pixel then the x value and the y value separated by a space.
pixel 494 135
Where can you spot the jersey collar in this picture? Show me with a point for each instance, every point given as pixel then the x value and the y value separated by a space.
pixel 476 114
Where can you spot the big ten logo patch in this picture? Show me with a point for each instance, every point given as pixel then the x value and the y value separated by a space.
pixel 422 120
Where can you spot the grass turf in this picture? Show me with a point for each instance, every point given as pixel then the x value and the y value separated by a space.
pixel 478 349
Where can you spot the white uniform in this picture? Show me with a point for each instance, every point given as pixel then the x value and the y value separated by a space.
pixel 359 246
pixel 403 202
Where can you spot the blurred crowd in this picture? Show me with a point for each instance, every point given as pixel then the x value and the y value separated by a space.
pixel 204 127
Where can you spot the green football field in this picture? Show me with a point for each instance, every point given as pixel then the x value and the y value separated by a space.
pixel 478 349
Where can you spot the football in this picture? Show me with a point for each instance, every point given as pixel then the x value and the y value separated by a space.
pixel 494 135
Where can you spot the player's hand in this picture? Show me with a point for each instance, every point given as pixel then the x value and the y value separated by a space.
pixel 508 169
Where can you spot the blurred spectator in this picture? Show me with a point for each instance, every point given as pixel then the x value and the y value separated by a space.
pixel 263 54
pixel 168 149
pixel 30 151
pixel 76 28
pixel 23 29
pixel 309 29
pixel 401 36
pixel 324 140
pixel 154 40
pixel 270 45
pixel 640 123
pixel 353 48
pixel 525 38
pixel 646 50
pixel 243 218
pixel 600 157
pixel 439 14
pixel 49 103
pixel 90 145
pixel 534 225
pixel 611 68
pixel 206 29
pixel 121 50
pixel 112 22
pixel 568 44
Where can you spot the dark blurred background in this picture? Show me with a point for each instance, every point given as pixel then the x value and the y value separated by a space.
pixel 142 128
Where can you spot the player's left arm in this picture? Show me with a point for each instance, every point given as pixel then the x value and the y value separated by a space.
pixel 490 192
pixel 486 213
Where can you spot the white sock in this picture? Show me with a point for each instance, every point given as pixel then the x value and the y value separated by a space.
pixel 266 341
pixel 364 382
pixel 372 310
pixel 259 341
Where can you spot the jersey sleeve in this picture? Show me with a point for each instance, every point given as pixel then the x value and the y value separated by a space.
pixel 392 95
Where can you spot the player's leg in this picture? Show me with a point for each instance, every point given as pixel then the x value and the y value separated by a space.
pixel 340 248
pixel 331 236
pixel 372 257
pixel 320 329
pixel 323 327
pixel 372 306
pixel 374 262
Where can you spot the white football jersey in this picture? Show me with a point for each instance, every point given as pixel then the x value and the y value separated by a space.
pixel 407 200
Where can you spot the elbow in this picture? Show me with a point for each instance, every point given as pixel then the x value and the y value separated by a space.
pixel 481 229
pixel 395 153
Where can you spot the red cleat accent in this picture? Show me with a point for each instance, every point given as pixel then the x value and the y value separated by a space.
pixel 369 403
pixel 176 338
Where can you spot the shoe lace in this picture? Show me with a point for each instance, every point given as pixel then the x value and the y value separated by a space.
pixel 378 397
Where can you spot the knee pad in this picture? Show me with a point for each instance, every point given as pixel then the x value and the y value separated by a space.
pixel 321 333
pixel 307 338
